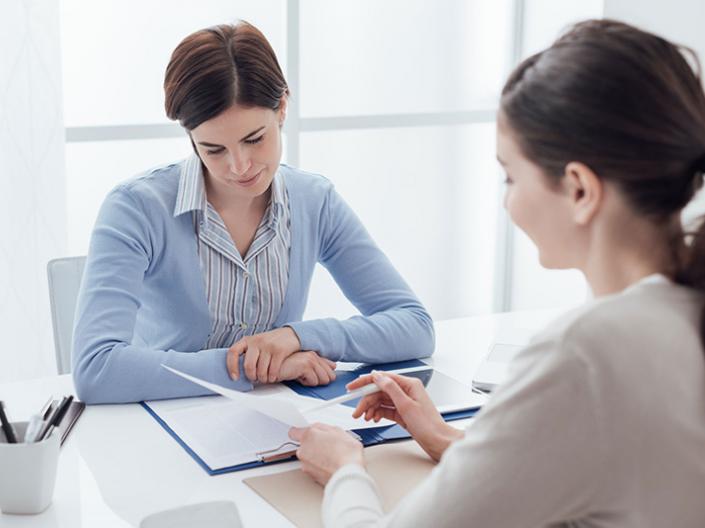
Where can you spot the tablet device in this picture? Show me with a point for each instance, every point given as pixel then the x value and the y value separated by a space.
pixel 448 394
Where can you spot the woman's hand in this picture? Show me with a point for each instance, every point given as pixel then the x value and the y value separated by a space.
pixel 405 400
pixel 324 449
pixel 308 368
pixel 264 354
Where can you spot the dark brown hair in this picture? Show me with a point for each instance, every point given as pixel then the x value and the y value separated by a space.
pixel 215 68
pixel 627 104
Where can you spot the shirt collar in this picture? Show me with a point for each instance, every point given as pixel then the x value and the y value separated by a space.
pixel 191 195
pixel 277 200
pixel 192 192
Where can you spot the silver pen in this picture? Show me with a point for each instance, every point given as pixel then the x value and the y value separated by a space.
pixel 33 428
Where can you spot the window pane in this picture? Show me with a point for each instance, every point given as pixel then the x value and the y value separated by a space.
pixel 94 168
pixel 115 52
pixel 545 20
pixel 533 286
pixel 429 197
pixel 363 57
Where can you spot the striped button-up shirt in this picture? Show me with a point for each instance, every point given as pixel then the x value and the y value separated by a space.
pixel 246 294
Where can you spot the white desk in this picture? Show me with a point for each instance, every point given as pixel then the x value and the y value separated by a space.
pixel 118 465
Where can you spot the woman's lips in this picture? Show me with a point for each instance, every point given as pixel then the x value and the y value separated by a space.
pixel 251 181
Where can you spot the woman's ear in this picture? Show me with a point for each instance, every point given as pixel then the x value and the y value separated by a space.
pixel 281 112
pixel 584 190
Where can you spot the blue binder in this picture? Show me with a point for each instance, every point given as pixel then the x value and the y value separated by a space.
pixel 374 435
pixel 369 437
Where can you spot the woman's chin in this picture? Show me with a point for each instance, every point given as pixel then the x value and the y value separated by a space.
pixel 550 263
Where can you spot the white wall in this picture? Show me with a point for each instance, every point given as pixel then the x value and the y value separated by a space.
pixel 678 20
pixel 32 198
pixel 533 286
pixel 681 21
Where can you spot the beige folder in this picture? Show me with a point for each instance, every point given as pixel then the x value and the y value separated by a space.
pixel 396 468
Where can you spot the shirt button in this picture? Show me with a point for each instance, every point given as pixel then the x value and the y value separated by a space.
pixel 243 326
pixel 246 275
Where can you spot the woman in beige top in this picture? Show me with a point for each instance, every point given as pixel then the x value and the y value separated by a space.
pixel 602 422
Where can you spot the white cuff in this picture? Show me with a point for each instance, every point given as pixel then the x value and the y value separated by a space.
pixel 351 499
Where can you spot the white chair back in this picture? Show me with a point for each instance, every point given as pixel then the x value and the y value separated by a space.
pixel 64 276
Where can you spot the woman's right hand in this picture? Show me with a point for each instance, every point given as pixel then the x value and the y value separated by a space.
pixel 405 401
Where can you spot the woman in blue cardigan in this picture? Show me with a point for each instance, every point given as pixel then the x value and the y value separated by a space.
pixel 205 265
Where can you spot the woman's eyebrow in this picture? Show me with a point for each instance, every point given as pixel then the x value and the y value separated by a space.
pixel 248 136
pixel 215 145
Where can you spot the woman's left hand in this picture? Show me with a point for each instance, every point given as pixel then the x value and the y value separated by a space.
pixel 324 449
pixel 264 354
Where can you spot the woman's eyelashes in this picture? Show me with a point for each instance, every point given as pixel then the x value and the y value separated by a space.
pixel 216 151
pixel 254 140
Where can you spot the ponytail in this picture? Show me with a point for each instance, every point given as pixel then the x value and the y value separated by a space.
pixel 690 250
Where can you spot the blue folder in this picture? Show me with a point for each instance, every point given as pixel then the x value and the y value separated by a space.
pixel 369 437
pixel 373 435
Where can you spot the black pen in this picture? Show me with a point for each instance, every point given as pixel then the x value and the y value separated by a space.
pixel 7 426
pixel 62 411
pixel 56 417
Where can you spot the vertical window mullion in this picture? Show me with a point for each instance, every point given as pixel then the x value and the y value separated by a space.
pixel 293 116
pixel 504 268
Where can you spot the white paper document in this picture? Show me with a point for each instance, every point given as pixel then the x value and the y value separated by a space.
pixel 279 409
pixel 287 407
pixel 236 427
pixel 219 431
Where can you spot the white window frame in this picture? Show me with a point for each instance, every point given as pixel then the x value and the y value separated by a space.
pixel 296 125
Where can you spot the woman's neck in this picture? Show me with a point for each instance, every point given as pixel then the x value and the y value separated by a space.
pixel 620 257
pixel 608 276
pixel 228 202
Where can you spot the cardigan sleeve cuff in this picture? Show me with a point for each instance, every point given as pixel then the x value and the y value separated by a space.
pixel 221 376
pixel 318 335
pixel 351 498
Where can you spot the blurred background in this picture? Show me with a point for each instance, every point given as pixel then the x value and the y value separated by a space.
pixel 394 101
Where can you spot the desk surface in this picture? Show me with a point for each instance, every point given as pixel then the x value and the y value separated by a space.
pixel 118 465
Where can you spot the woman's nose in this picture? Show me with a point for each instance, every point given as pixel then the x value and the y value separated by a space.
pixel 239 164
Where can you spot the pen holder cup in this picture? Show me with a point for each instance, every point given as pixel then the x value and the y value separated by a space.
pixel 27 472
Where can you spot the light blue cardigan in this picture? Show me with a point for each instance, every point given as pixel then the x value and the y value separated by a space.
pixel 142 300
